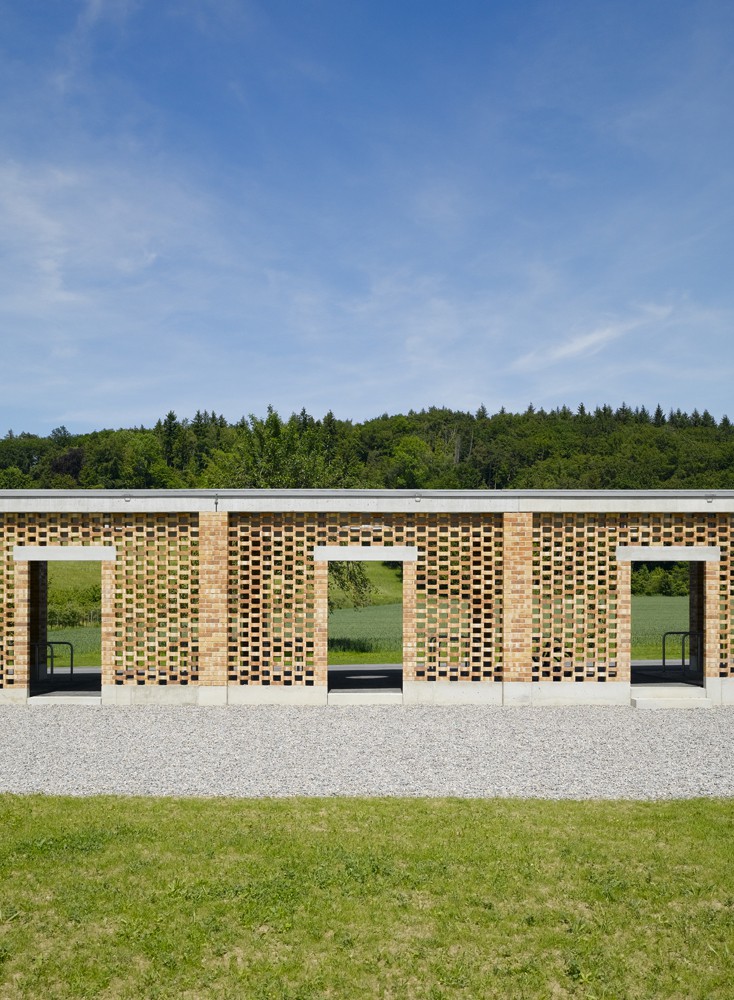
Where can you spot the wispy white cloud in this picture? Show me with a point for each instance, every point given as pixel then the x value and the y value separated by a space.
pixel 590 343
pixel 337 239
pixel 76 47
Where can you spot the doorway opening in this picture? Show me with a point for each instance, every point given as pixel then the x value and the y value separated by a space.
pixel 667 623
pixel 66 626
pixel 365 637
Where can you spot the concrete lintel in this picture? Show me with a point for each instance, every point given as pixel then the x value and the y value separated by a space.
pixel 365 553
pixel 451 693
pixel 558 693
pixel 64 553
pixel 668 553
pixel 276 694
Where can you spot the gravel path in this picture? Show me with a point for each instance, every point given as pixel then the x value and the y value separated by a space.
pixel 483 752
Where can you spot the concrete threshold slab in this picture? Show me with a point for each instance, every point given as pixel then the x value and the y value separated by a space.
pixel 669 696
pixel 672 690
pixel 367 696
pixel 676 703
pixel 66 698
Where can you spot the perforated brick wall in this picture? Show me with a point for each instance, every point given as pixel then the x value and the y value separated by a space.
pixel 452 618
pixel 517 586
pixel 581 595
pixel 271 622
pixel 150 594
pixel 459 597
pixel 213 598
pixel 155 599
pixel 576 603
pixel 15 635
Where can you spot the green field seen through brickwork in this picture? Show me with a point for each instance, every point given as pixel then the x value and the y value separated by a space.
pixel 374 634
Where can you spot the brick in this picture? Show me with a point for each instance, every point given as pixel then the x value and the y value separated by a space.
pixel 215 598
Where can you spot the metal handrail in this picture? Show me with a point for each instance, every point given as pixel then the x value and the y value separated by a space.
pixel 59 642
pixel 35 646
pixel 685 636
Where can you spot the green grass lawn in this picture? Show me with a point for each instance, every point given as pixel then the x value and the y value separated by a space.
pixel 73 575
pixel 387 583
pixel 651 616
pixel 64 579
pixel 374 634
pixel 366 635
pixel 385 898
pixel 86 642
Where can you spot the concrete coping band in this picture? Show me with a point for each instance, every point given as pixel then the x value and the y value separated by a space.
pixel 365 553
pixel 64 553
pixel 368 501
pixel 668 553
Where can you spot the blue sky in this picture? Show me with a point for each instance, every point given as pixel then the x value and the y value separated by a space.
pixel 363 205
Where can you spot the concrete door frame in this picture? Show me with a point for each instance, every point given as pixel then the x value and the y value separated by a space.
pixel 32 584
pixel 710 555
pixel 406 554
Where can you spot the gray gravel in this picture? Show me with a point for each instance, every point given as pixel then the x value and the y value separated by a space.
pixel 552 753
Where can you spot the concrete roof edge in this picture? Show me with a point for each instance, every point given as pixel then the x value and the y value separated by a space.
pixel 366 499
pixel 362 492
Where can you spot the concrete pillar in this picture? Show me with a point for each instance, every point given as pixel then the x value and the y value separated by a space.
pixel 517 597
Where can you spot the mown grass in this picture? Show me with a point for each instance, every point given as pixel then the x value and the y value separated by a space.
pixel 387 582
pixel 651 617
pixel 87 643
pixel 73 575
pixel 366 635
pixel 299 899
pixel 374 634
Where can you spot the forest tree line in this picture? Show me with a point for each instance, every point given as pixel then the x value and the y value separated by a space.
pixel 604 448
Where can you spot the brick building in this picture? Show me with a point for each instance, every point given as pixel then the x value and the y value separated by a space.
pixel 509 597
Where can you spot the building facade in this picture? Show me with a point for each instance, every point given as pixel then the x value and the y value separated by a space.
pixel 222 597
